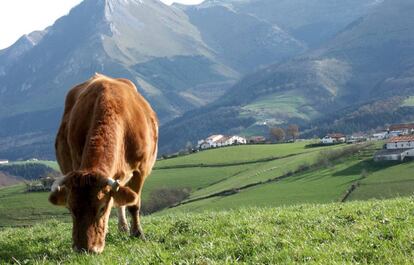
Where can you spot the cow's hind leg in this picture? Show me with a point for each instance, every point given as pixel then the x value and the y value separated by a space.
pixel 122 221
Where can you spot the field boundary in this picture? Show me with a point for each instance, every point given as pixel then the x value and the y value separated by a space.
pixel 262 160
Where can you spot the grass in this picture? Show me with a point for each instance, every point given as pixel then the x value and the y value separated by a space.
pixel 408 102
pixel 259 172
pixel 191 178
pixel 285 105
pixel 237 154
pixel 393 181
pixel 51 164
pixel 18 207
pixel 322 186
pixel 374 232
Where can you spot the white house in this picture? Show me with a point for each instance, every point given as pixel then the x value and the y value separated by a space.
pixel 401 142
pixel 235 139
pixel 209 141
pixel 220 140
pixel 379 136
pixel 3 161
pixel 333 138
pixel 203 145
pixel 397 149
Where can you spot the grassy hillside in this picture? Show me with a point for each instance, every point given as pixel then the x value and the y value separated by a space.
pixel 236 154
pixel 375 232
pixel 196 172
pixel 393 181
pixel 51 164
pixel 241 176
pixel 290 105
pixel 17 207
pixel 322 184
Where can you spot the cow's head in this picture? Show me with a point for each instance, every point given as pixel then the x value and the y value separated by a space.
pixel 89 198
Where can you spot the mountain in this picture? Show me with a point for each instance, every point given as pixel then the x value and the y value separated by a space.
pixel 136 39
pixel 369 60
pixel 241 40
pixel 148 42
pixel 10 55
pixel 311 22
pixel 232 57
pixel 161 48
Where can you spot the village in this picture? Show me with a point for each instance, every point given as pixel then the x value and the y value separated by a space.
pixel 399 141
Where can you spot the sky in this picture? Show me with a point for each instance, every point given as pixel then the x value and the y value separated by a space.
pixel 19 17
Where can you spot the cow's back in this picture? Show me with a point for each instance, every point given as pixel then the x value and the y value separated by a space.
pixel 107 126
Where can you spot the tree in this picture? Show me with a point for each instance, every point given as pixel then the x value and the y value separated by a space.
pixel 189 147
pixel 278 134
pixel 293 131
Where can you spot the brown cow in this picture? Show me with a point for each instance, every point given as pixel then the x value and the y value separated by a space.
pixel 106 147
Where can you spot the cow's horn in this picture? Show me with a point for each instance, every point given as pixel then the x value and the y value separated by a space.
pixel 56 186
pixel 114 184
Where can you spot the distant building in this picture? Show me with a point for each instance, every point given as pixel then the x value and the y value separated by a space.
pixel 333 138
pixel 220 141
pixel 401 129
pixel 397 149
pixel 3 161
pixel 356 139
pixel 379 136
pixel 401 142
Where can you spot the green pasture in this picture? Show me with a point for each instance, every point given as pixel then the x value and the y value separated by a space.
pixel 52 164
pixel 408 102
pixel 285 105
pixel 237 154
pixel 373 232
pixel 393 181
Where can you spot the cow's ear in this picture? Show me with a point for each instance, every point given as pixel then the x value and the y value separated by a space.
pixel 58 196
pixel 125 197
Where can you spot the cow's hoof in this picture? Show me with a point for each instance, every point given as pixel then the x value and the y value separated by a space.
pixel 123 229
pixel 139 234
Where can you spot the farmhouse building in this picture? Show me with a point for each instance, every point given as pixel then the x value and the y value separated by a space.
pixel 397 149
pixel 333 138
pixel 220 140
pixel 379 136
pixel 401 129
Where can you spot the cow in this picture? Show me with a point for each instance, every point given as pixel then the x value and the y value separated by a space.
pixel 106 147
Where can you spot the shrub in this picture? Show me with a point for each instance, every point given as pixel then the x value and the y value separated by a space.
pixel 327 157
pixel 163 198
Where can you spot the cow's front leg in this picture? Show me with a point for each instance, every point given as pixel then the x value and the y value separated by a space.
pixel 136 229
pixel 122 221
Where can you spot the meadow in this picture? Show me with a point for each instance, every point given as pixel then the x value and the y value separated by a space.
pixel 374 232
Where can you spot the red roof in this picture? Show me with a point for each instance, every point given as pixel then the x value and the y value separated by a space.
pixel 397 127
pixel 404 138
